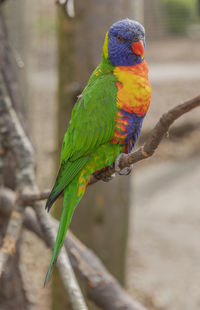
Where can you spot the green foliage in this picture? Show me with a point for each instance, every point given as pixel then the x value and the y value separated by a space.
pixel 180 14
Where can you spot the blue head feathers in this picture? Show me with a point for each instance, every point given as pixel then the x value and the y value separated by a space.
pixel 120 41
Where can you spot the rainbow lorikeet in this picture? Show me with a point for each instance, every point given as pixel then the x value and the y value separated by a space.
pixel 106 119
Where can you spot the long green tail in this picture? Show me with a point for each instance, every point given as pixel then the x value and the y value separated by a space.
pixel 69 203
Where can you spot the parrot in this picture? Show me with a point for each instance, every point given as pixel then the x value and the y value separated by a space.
pixel 106 120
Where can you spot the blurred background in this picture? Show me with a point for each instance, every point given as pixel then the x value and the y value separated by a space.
pixel 144 227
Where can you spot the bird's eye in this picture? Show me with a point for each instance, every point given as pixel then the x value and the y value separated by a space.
pixel 119 38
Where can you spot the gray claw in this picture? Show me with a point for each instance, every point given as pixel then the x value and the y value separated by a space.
pixel 124 171
pixel 109 178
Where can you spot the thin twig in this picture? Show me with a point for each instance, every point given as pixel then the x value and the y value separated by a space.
pixel 30 198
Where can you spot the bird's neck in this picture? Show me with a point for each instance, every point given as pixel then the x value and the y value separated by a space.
pixel 105 66
pixel 140 69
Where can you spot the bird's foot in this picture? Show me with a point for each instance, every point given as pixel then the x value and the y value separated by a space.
pixel 124 171
pixel 98 175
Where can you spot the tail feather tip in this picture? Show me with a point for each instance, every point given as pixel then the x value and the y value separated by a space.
pixel 48 275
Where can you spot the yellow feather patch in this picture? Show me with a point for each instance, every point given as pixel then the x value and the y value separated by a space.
pixel 105 46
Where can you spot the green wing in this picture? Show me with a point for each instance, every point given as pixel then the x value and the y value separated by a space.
pixel 92 124
pixel 68 170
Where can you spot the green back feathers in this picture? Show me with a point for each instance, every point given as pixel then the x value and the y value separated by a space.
pixel 93 118
pixel 92 124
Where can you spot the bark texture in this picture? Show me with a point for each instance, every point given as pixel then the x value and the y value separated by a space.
pixel 12 290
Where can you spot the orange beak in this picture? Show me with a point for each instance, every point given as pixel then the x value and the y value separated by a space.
pixel 138 48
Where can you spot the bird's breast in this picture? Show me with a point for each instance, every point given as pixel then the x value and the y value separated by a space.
pixel 133 100
pixel 133 88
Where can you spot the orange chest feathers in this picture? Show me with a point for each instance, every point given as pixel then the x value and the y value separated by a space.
pixel 134 89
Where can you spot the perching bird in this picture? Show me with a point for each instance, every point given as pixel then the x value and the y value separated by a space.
pixel 106 119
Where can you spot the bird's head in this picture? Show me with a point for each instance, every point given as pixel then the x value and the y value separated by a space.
pixel 124 43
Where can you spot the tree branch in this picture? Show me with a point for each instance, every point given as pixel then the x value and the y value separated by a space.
pixel 68 6
pixel 30 198
pixel 64 267
pixel 154 139
pixel 12 139
pixel 143 152
pixel 101 287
